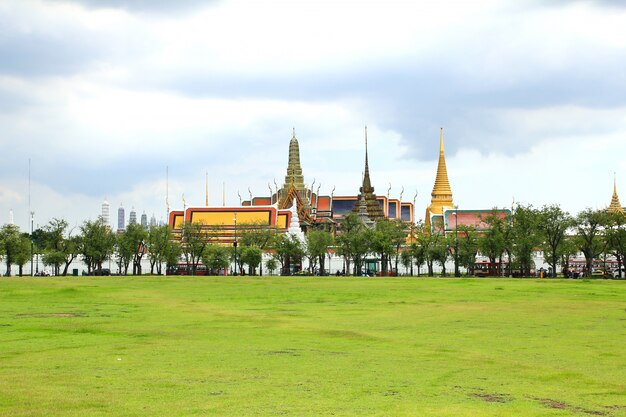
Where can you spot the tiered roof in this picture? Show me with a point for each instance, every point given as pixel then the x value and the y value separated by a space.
pixel 366 192
pixel 615 206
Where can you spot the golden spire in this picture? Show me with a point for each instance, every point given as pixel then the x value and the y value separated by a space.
pixel 615 206
pixel 442 193
pixel 294 170
pixel 294 178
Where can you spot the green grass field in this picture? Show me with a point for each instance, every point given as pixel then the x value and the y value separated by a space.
pixel 154 346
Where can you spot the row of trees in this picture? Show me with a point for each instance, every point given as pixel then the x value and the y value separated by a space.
pixel 506 240
pixel 58 245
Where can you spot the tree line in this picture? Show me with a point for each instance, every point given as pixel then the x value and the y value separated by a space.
pixel 509 239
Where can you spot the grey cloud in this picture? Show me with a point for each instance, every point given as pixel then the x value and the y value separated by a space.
pixel 410 99
pixel 144 5
pixel 34 55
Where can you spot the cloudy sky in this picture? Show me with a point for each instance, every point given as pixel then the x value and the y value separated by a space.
pixel 102 95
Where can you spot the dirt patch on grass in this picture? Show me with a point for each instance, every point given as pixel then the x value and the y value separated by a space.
pixel 288 352
pixel 558 405
pixel 50 315
pixel 492 397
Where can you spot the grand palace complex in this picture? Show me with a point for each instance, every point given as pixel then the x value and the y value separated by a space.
pixel 296 208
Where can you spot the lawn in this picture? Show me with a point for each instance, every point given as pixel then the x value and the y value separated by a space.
pixel 155 346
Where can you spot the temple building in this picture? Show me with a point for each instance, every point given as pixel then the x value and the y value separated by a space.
pixel 294 202
pixel 615 206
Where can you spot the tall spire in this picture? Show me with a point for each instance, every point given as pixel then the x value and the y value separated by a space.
pixel 294 180
pixel 442 193
pixel 615 206
pixel 367 183
pixel 366 192
pixel 294 170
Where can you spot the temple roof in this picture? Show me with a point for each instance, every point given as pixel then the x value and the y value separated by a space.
pixel 294 170
pixel 615 206
pixel 294 179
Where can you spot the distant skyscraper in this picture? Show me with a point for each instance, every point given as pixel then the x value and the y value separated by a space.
pixel 121 219
pixel 153 221
pixel 132 219
pixel 105 212
pixel 144 219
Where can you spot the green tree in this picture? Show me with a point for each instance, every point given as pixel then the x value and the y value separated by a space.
pixel 251 256
pixel 385 240
pixel 58 245
pixel 216 258
pixel 318 242
pixel 353 242
pixel 425 242
pixel 418 251
pixel 567 250
pixel 615 227
pixel 467 245
pixel 271 265
pixel 494 241
pixel 23 251
pixel 53 240
pixel 525 237
pixel 257 235
pixel 406 258
pixel 289 250
pixel 97 243
pixel 440 250
pixel 160 245
pixel 194 240
pixel 131 247
pixel 589 227
pixel 552 227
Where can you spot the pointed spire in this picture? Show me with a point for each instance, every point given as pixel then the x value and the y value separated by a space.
pixel 294 178
pixel 441 190
pixel 442 193
pixel 374 210
pixel 615 206
pixel 294 170
pixel 367 183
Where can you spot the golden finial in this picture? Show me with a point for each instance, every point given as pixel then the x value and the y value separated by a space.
pixel 441 140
